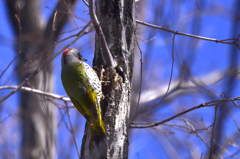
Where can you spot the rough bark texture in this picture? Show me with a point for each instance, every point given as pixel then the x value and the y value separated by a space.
pixel 36 45
pixel 117 19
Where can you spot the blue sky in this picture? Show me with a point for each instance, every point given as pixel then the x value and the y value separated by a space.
pixel 214 20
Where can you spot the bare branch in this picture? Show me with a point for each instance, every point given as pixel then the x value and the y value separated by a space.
pixel 141 66
pixel 66 13
pixel 197 4
pixel 5 118
pixel 146 41
pixel 9 65
pixel 62 117
pixel 107 56
pixel 170 80
pixel 236 104
pixel 86 3
pixel 59 22
pixel 19 86
pixel 195 132
pixel 235 42
pixel 72 130
pixel 208 104
pixel 212 138
pixel 65 123
pixel 231 113
pixel 70 12
pixel 54 20
pixel 27 89
pixel 224 147
pixel 82 33
pixel 44 64
pixel 20 29
pixel 179 86
pixel 226 41
pixel 233 118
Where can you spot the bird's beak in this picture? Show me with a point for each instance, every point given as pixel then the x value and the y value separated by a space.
pixel 83 59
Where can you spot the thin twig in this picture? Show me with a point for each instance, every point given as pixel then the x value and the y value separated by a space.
pixel 233 118
pixel 86 32
pixel 178 127
pixel 54 20
pixel 197 4
pixel 65 123
pixel 224 147
pixel 231 114
pixel 85 3
pixel 70 12
pixel 236 104
pixel 213 139
pixel 173 145
pixel 214 122
pixel 5 118
pixel 234 154
pixel 62 117
pixel 235 41
pixel 208 104
pixel 170 80
pixel 20 29
pixel 146 41
pixel 54 9
pixel 72 130
pixel 183 128
pixel 79 34
pixel 9 65
pixel 194 131
pixel 140 87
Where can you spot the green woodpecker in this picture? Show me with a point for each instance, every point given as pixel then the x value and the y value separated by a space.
pixel 83 87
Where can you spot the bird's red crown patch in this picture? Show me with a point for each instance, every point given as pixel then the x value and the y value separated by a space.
pixel 65 52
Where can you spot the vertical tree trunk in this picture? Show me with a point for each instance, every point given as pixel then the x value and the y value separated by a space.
pixel 35 46
pixel 117 19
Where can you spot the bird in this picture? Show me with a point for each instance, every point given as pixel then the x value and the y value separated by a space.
pixel 83 87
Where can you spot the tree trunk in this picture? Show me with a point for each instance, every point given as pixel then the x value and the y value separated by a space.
pixel 35 46
pixel 117 19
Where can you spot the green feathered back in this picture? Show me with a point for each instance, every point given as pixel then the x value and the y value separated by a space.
pixel 82 95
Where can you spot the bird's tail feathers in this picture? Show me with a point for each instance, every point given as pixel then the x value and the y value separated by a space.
pixel 97 131
pixel 98 134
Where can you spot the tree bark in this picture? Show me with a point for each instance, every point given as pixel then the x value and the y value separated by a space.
pixel 35 46
pixel 117 19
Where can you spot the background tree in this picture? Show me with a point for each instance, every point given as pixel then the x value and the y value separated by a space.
pixel 181 65
pixel 35 45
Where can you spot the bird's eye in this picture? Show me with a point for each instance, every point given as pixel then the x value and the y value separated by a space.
pixel 79 56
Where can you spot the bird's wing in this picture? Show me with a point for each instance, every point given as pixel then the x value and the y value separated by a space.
pixel 93 80
pixel 84 89
pixel 90 98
